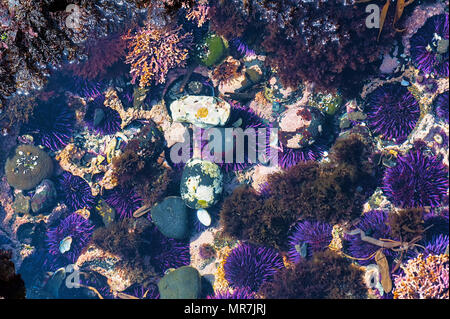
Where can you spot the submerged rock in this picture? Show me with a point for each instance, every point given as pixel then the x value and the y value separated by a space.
pixel 201 111
pixel 21 204
pixel 181 283
pixel 299 127
pixel 44 198
pixel 201 184
pixel 27 167
pixel 171 218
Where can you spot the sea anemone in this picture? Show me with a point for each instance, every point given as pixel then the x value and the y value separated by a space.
pixel 77 192
pixel 100 118
pixel 392 111
pixel 124 200
pixel 237 293
pixel 52 124
pixel 417 180
pixel 373 224
pixel 441 105
pixel 248 266
pixel 68 239
pixel 429 46
pixel 316 236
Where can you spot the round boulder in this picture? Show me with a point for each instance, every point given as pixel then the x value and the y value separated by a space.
pixel 171 218
pixel 181 283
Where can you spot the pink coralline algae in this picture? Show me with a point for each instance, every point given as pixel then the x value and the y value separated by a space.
pixel 153 51
pixel 423 278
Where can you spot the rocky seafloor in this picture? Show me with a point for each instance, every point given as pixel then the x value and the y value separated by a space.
pixel 118 179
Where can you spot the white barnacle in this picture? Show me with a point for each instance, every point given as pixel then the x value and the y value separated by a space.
pixel 205 193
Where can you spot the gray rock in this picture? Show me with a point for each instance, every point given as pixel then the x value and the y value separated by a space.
pixel 171 217
pixel 181 283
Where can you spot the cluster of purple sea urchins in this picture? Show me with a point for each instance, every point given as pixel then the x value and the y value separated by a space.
pixel 392 111
pixel 417 180
pixel 429 46
pixel 249 266
pixel 67 240
pixel 326 42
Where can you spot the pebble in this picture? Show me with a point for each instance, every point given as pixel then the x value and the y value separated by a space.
pixel 204 217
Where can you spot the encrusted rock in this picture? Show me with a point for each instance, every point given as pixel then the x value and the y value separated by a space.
pixel 201 183
pixel 44 197
pixel 27 167
pixel 21 204
pixel 201 111
pixel 299 127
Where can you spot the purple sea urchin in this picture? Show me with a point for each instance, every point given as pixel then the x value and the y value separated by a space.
pixel 70 237
pixel 241 47
pixel 417 180
pixel 288 157
pixel 238 293
pixel 77 192
pixel 100 118
pixel 248 266
pixel 314 236
pixel 437 245
pixel 429 46
pixel 373 224
pixel 441 105
pixel 437 224
pixel 52 124
pixel 124 200
pixel 392 111
pixel 166 252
